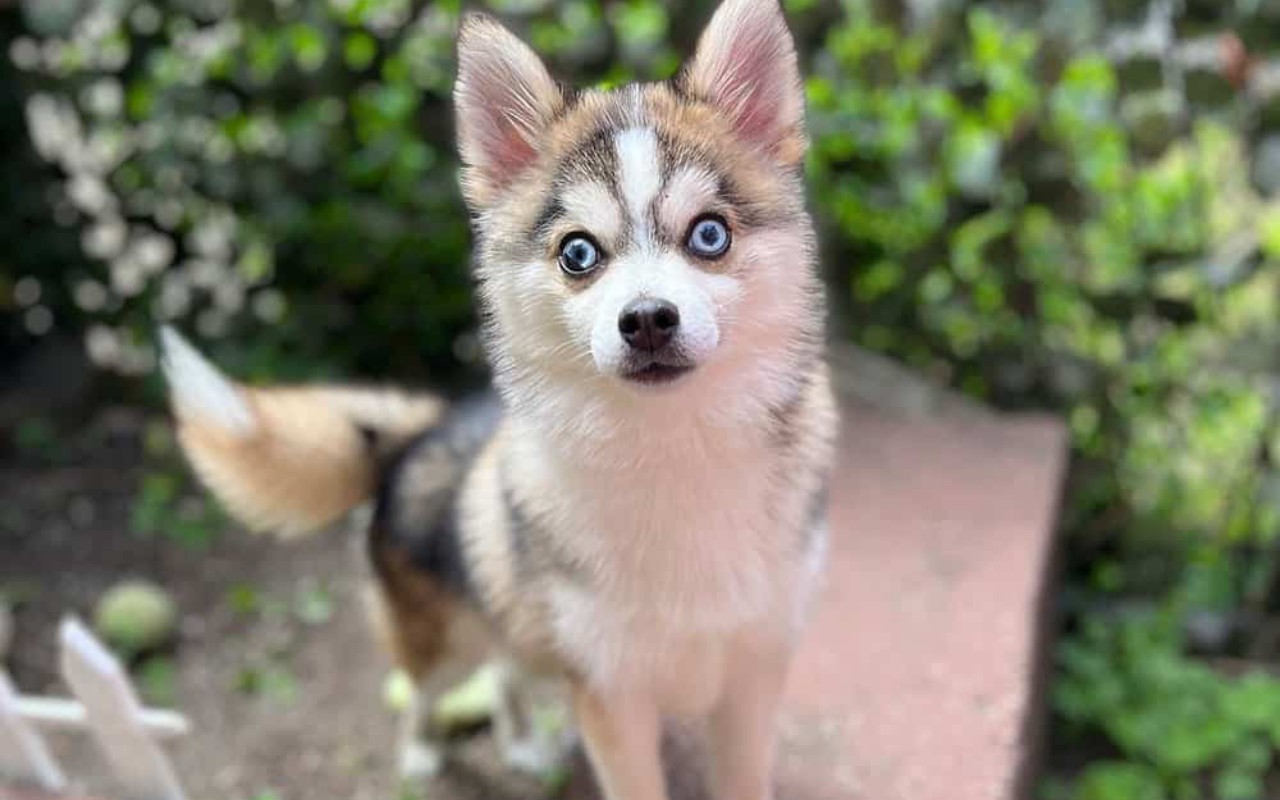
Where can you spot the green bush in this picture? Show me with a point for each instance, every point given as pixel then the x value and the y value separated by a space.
pixel 993 217
pixel 1006 236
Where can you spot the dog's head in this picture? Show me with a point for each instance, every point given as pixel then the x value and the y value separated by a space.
pixel 650 236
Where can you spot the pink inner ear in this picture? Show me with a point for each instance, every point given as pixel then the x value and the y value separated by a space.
pixel 504 99
pixel 507 148
pixel 759 108
pixel 489 118
pixel 746 65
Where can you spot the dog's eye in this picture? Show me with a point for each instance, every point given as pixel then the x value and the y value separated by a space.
pixel 578 254
pixel 708 237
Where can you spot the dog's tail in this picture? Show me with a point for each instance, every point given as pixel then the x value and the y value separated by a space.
pixel 288 460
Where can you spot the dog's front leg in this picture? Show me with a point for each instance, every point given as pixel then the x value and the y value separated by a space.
pixel 745 721
pixel 622 735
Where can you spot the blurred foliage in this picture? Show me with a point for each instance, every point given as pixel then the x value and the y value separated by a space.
pixel 997 221
pixel 1000 206
pixel 1186 728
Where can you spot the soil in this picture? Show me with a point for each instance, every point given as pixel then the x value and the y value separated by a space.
pixel 274 664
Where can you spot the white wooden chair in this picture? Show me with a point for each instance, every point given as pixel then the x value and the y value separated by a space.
pixel 107 706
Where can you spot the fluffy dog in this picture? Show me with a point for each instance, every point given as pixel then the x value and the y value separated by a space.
pixel 638 509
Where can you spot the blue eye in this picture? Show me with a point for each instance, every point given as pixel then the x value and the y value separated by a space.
pixel 578 255
pixel 708 237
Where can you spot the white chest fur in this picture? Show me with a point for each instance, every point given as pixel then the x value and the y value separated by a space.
pixel 684 550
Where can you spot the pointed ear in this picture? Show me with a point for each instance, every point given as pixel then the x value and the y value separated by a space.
pixel 746 66
pixel 504 98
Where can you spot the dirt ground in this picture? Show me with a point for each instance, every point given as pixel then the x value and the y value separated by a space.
pixel 274 664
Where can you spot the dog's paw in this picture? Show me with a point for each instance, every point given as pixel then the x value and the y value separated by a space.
pixel 420 760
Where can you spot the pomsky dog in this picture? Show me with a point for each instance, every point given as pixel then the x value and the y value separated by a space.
pixel 637 511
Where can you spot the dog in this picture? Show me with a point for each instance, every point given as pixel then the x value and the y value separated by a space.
pixel 637 510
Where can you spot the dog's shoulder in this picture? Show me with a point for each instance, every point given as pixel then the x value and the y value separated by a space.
pixel 416 516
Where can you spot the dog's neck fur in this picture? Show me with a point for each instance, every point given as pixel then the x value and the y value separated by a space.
pixel 598 425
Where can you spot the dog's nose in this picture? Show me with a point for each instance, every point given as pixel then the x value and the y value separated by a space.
pixel 648 324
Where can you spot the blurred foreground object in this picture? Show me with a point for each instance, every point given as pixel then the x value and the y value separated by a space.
pixel 107 706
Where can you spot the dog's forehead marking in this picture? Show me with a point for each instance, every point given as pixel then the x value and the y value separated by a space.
pixel 639 177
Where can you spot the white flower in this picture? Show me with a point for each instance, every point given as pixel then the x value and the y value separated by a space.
pixel 90 295
pixel 24 53
pixel 174 300
pixel 105 238
pixel 26 292
pixel 128 278
pixel 229 296
pixel 102 344
pixel 269 305
pixel 90 194
pixel 104 97
pixel 38 320
pixel 153 252
pixel 53 125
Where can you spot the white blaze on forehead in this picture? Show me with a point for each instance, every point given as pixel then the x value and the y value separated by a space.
pixel 639 174
pixel 689 192
pixel 591 206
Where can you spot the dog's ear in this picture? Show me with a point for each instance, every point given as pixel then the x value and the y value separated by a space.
pixel 746 66
pixel 504 98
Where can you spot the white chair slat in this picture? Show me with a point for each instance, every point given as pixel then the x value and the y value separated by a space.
pixel 59 713
pixel 115 716
pixel 24 757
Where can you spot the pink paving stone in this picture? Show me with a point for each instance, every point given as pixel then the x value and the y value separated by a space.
pixel 919 678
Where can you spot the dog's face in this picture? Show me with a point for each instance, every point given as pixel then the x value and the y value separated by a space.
pixel 636 239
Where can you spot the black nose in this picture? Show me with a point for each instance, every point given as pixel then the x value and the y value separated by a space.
pixel 648 324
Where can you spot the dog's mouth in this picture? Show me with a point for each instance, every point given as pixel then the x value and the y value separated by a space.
pixel 657 373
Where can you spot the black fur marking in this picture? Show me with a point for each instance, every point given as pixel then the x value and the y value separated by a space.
pixel 668 148
pixel 518 523
pixel 728 192
pixel 596 159
pixel 784 414
pixel 422 520
pixel 679 86
pixel 749 215
pixel 441 555
pixel 817 507
pixel 552 211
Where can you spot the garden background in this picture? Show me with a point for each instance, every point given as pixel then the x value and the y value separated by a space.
pixel 1070 205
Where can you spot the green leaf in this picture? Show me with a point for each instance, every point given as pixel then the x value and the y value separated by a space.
pixel 308 45
pixel 1111 780
pixel 359 50
pixel 1235 784
pixel 1253 701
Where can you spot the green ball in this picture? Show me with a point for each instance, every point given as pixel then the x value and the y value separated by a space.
pixel 135 617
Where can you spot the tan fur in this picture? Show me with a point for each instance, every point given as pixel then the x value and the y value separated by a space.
pixel 304 464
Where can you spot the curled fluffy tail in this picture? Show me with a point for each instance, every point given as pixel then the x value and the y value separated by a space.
pixel 290 459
